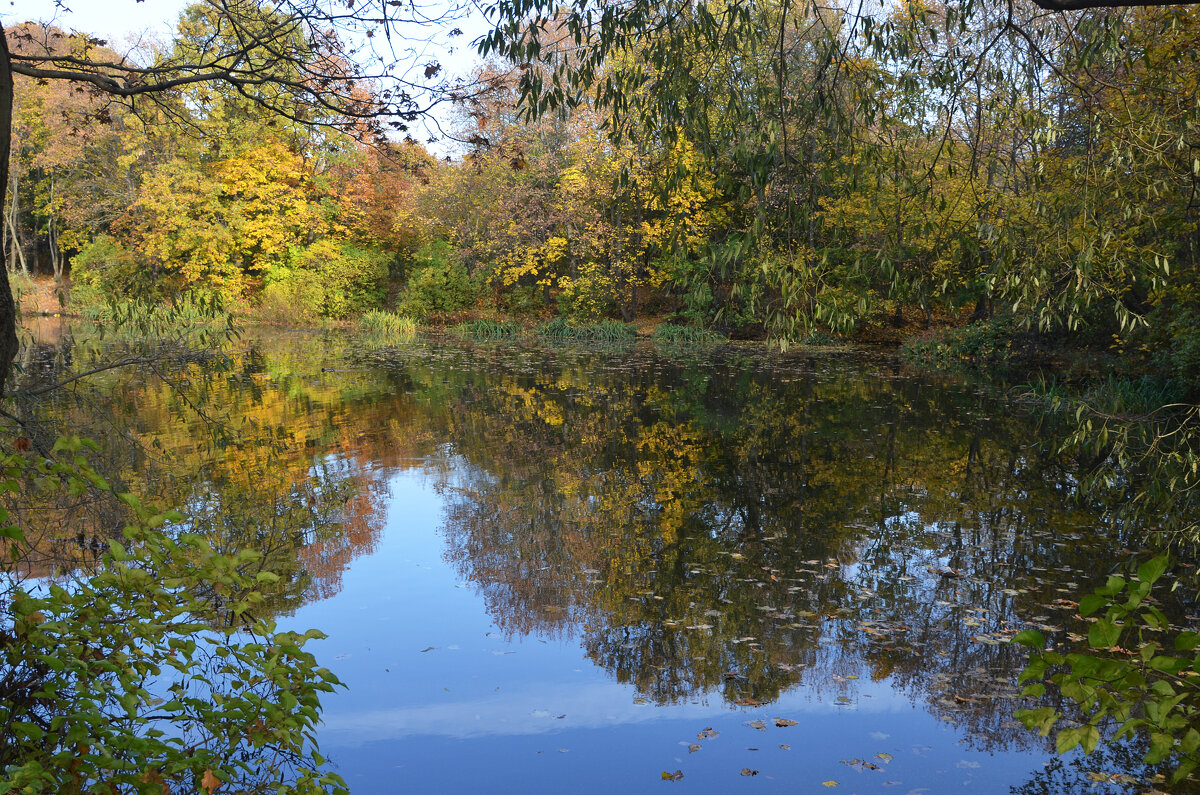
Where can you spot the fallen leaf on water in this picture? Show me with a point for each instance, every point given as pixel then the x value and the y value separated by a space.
pixel 757 724
pixel 748 772
pixel 860 764
pixel 428 648
pixel 784 722
pixel 708 733
pixel 785 747
pixel 885 756
pixel 676 776
pixel 829 783
pixel 693 748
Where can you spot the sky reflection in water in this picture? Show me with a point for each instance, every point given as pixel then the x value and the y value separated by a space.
pixel 479 713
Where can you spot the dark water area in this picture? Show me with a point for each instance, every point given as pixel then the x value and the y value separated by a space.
pixel 576 570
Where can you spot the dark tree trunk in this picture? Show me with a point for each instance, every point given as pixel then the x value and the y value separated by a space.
pixel 8 310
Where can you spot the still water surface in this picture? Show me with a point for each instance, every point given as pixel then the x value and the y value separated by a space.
pixel 558 569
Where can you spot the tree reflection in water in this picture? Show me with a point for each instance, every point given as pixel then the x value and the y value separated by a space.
pixel 729 526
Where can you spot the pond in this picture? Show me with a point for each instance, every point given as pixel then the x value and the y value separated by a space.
pixel 634 568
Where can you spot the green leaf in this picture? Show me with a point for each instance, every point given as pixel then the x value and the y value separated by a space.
pixel 1091 737
pixel 1040 720
pixel 1066 739
pixel 1104 634
pixel 1152 569
pixel 116 550
pixel 1187 641
pixel 1030 637
pixel 1160 746
pixel 1190 742
pixel 1170 665
pixel 1091 603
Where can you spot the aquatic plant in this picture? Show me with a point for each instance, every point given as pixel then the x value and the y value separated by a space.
pixel 483 328
pixel 669 332
pixel 388 325
pixel 561 328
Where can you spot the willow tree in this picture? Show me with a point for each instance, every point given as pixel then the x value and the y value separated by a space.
pixel 933 100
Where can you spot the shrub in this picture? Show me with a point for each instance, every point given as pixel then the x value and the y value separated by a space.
pixel 1182 349
pixel 89 670
pixel 439 283
pixel 105 269
pixel 291 301
pixel 327 279
pixel 522 300
pixel 979 344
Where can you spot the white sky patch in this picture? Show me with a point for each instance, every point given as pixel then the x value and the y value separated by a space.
pixel 592 706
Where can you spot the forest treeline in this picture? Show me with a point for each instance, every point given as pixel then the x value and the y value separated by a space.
pixel 1037 176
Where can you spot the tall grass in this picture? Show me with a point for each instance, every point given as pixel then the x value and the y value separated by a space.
pixel 389 326
pixel 487 329
pixel 563 329
pixel 1112 397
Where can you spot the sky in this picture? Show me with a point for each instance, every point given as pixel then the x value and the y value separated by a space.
pixel 116 20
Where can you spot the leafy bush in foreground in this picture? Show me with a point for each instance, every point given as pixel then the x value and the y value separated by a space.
pixel 1131 679
pixel 152 674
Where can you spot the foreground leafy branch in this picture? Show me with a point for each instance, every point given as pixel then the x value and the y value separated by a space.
pixel 150 675
pixel 1130 683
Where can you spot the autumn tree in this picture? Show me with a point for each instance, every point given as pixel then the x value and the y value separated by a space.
pixel 311 62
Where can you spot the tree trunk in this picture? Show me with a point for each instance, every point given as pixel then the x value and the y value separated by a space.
pixel 8 310
pixel 56 260
pixel 17 253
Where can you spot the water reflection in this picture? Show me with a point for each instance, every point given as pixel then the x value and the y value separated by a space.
pixel 716 530
pixel 727 529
